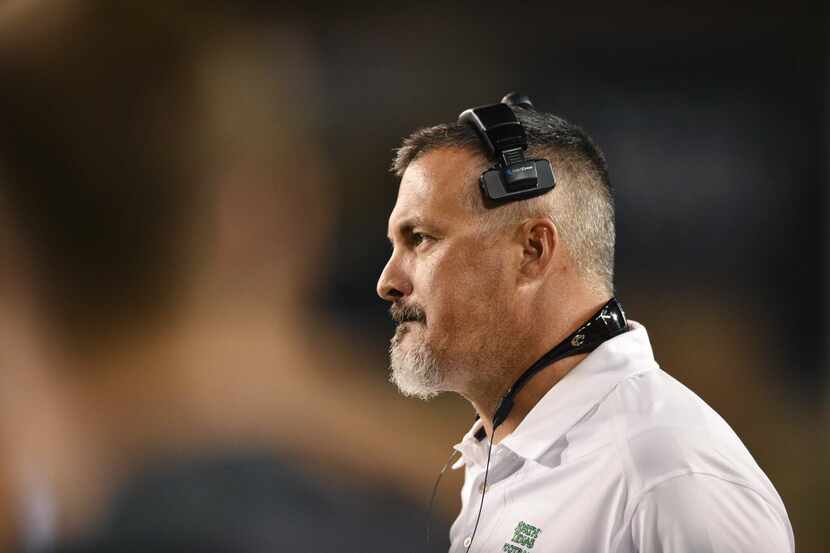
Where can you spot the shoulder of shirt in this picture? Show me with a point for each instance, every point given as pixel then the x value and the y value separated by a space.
pixel 659 429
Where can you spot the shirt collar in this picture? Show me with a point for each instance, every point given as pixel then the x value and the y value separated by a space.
pixel 572 397
pixel 470 447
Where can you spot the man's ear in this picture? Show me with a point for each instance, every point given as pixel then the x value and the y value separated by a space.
pixel 539 239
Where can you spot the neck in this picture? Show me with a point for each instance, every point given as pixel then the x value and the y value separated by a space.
pixel 538 344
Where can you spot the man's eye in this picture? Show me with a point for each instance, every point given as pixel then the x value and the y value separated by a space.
pixel 418 238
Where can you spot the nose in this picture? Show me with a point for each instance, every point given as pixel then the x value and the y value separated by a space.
pixel 393 283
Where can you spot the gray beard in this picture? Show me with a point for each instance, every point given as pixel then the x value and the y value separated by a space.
pixel 415 371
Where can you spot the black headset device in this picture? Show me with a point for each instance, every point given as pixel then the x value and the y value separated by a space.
pixel 516 178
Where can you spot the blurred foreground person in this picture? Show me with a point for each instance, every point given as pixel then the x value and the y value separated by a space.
pixel 501 282
pixel 161 218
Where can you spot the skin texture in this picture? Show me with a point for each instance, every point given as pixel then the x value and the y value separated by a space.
pixel 436 246
pixel 492 304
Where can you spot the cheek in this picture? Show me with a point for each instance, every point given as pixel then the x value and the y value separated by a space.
pixel 470 294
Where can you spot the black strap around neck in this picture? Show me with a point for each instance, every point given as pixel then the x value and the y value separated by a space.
pixel 606 323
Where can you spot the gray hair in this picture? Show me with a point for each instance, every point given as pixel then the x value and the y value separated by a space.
pixel 581 206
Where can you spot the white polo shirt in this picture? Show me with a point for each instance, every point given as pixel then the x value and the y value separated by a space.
pixel 619 457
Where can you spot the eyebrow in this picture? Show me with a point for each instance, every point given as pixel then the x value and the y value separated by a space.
pixel 406 226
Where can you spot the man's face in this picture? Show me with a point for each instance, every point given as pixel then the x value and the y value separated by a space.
pixel 450 287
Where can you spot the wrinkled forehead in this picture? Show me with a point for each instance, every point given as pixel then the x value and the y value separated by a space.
pixel 440 187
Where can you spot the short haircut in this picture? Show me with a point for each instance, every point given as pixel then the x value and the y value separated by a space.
pixel 581 205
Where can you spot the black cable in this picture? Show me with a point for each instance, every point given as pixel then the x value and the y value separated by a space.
pixel 483 491
pixel 603 325
pixel 434 491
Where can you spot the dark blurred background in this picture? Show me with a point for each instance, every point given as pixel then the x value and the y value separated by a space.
pixel 716 125
pixel 714 128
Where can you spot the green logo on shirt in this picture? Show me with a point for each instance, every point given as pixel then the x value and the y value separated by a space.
pixel 525 535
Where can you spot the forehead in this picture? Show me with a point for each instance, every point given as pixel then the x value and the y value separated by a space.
pixel 437 188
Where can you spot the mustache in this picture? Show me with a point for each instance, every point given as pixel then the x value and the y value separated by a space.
pixel 402 313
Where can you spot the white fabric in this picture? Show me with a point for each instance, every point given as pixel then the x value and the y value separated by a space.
pixel 619 457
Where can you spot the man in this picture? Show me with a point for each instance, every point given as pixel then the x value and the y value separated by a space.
pixel 161 388
pixel 601 451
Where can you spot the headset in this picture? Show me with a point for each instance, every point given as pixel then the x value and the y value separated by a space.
pixel 514 178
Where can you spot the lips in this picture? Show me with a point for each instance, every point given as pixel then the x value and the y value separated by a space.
pixel 407 323
pixel 404 326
